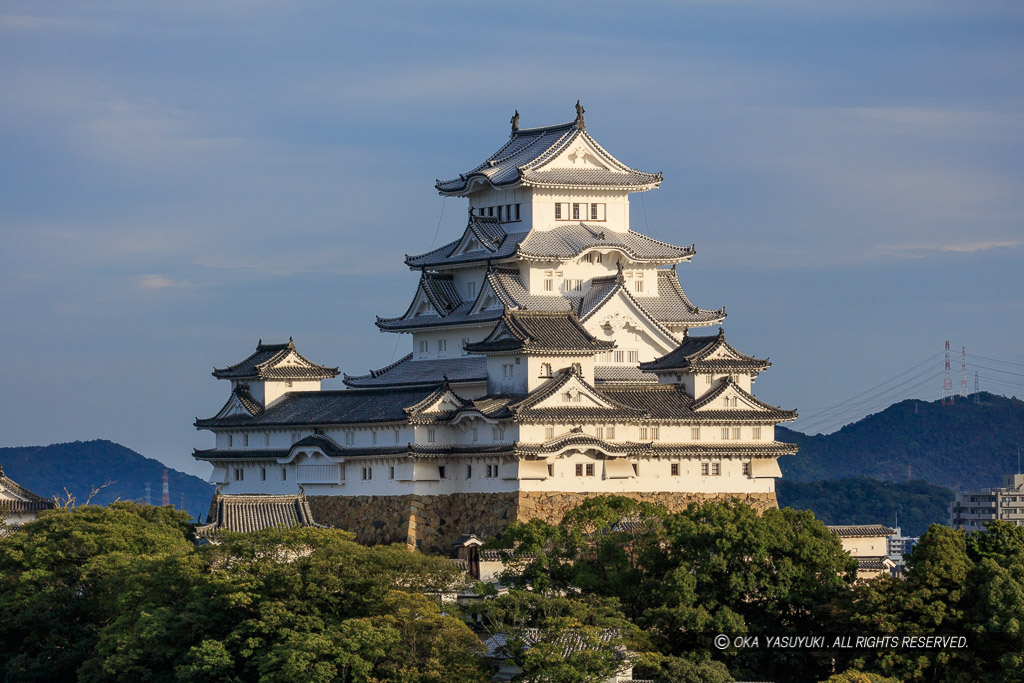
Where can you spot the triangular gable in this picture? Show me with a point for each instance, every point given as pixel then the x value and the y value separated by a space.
pixel 241 403
pixel 739 400
pixel 483 233
pixel 566 390
pixel 578 151
pixel 441 402
pixel 488 299
pixel 618 309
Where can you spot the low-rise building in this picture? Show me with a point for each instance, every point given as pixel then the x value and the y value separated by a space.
pixel 869 545
pixel 970 510
pixel 18 505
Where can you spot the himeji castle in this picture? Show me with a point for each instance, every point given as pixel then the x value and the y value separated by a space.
pixel 555 356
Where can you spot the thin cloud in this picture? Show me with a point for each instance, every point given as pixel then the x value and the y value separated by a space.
pixel 154 281
pixel 920 250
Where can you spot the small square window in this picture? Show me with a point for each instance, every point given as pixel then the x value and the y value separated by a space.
pixel 716 469
pixel 674 469
pixel 579 470
pixel 590 470
pixel 705 469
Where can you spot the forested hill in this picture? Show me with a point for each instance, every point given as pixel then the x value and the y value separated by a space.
pixel 83 465
pixel 966 445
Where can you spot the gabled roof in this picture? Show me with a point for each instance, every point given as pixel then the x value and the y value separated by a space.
pixel 408 372
pixel 703 404
pixel 437 292
pixel 670 307
pixel 526 160
pixel 240 403
pixel 539 332
pixel 315 408
pixel 275 362
pixel 671 402
pixel 495 243
pixel 429 409
pixel 574 239
pixel 694 355
pixel 531 408
pixel 15 498
pixel 509 289
pixel 860 530
pixel 251 512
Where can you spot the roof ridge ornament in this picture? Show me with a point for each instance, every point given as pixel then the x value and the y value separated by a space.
pixel 619 277
pixel 580 124
pixel 515 121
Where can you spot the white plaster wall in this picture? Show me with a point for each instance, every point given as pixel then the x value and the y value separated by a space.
pixel 870 546
pixel 275 390
pixel 453 338
pixel 534 365
pixel 494 197
pixel 497 383
pixel 616 208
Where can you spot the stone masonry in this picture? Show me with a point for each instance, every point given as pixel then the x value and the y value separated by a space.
pixel 433 523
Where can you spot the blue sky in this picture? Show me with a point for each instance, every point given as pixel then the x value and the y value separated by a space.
pixel 182 179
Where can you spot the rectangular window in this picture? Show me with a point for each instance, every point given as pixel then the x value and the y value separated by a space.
pixel 350 438
pixel 575 212
pixel 746 469
pixel 398 434
pixel 431 435
pixel 735 432
pixel 245 440
pixel 705 469
pixel 716 469
pixel 391 471
pixel 593 212
pixel 558 211
pixel 695 433
pixel 655 433
pixel 471 289
pixel 423 348
pixel 263 474
pixel 619 356
pixel 476 434
pixel 639 284
pixel 441 471
pixel 674 469
pixel 609 432
pixel 284 474
pixel 599 432
pixel 367 473
pixel 231 441
pixel 551 470
pixel 633 356
pixel 643 433
pixel 373 437
pixel 442 345
pixel 239 474
pixel 549 285
pixel 517 212
pixel 497 433
pixel 296 436
pixel 266 439
pixel 574 285
pixel 579 470
pixel 490 210
pixel 549 433
pixel 636 469
pixel 756 432
pixel 469 471
pixel 725 433
pixel 590 470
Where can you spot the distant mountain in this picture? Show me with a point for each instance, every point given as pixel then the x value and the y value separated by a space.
pixel 917 504
pixel 966 445
pixel 82 465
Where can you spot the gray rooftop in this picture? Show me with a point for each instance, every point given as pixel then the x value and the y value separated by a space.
pixel 408 372
pixel 245 513
pixel 520 161
pixel 266 364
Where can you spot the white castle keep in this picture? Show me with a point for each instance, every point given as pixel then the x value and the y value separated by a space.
pixel 554 357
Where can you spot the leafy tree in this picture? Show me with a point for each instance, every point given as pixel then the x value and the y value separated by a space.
pixel 55 581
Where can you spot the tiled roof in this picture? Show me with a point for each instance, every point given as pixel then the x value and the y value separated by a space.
pixel 861 530
pixel 351 406
pixel 409 372
pixel 444 255
pixel 874 564
pixel 570 642
pixel 251 512
pixel 670 307
pixel 671 402
pixel 211 454
pixel 539 332
pixel 15 498
pixel 572 240
pixel 266 364
pixel 760 407
pixel 459 316
pixel 511 291
pixel 692 355
pixel 521 160
pixel 621 374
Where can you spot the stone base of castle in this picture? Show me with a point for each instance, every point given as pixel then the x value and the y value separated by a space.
pixel 433 523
